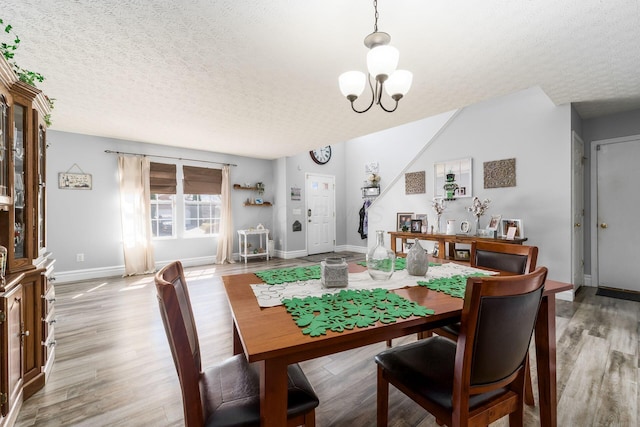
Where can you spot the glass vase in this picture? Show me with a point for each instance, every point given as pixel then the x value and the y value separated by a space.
pixel 380 260
pixel 477 225
pixel 417 260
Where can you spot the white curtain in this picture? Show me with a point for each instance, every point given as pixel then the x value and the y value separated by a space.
pixel 225 236
pixel 135 212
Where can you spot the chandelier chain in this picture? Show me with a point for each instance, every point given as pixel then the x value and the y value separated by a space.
pixel 375 24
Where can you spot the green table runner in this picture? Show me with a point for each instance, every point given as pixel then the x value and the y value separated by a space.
pixel 277 276
pixel 454 285
pixel 401 264
pixel 350 308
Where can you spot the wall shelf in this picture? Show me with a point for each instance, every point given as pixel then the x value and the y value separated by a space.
pixel 242 187
pixel 258 204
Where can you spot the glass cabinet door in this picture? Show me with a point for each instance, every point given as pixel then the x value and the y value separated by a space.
pixel 4 159
pixel 42 148
pixel 20 214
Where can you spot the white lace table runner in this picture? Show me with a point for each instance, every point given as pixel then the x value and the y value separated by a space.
pixel 272 295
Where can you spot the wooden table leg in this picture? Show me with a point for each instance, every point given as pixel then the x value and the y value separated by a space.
pixel 546 361
pixel 273 393
pixel 237 343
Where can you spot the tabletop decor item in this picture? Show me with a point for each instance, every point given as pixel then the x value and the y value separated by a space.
pixel 439 207
pixel 417 260
pixel 334 272
pixel 380 260
pixel 478 209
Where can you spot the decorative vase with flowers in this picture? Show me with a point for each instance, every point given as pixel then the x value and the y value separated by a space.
pixel 373 180
pixel 439 207
pixel 478 208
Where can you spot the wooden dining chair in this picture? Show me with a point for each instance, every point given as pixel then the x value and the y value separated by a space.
pixel 517 259
pixel 227 394
pixel 479 378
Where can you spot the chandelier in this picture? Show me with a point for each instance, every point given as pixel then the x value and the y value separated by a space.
pixel 382 61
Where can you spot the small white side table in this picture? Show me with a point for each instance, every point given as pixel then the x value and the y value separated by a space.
pixel 242 243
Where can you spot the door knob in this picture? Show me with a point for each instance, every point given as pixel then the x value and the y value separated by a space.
pixel 603 225
pixel 577 224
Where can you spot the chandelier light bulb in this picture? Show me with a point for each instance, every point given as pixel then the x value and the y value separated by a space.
pixel 352 83
pixel 382 61
pixel 398 84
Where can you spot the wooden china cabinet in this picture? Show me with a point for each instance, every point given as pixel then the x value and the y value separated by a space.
pixel 27 296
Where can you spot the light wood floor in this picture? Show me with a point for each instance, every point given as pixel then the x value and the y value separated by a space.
pixel 114 368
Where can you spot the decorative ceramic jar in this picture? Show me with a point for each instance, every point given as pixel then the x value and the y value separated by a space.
pixel 334 272
pixel 417 260
pixel 451 226
pixel 380 260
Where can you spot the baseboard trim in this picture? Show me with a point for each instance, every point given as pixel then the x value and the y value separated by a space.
pixel 118 270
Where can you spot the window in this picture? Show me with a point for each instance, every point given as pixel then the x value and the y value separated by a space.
pixel 162 186
pixel 163 209
pixel 202 208
pixel 201 214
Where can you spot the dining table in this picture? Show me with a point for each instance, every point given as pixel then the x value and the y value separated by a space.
pixel 270 338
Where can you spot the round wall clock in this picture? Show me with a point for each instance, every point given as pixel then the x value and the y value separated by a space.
pixel 322 155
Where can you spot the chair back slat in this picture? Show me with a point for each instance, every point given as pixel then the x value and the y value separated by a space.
pixel 180 327
pixel 498 319
pixel 518 259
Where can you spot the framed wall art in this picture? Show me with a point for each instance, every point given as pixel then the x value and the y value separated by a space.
pixel 74 181
pixel 458 172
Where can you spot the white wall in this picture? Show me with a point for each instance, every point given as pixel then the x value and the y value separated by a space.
pixel 88 221
pixel 393 149
pixel 526 126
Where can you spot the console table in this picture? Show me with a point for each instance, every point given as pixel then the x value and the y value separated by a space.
pixel 242 243
pixel 452 239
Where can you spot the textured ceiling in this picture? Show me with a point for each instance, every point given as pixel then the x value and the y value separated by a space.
pixel 259 78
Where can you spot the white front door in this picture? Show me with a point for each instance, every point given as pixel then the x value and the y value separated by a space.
pixel 321 218
pixel 618 203
pixel 577 211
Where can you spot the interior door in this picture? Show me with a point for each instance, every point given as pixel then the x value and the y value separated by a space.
pixel 321 219
pixel 577 211
pixel 618 202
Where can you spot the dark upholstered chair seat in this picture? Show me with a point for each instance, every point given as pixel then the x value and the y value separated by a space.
pixel 427 369
pixel 232 393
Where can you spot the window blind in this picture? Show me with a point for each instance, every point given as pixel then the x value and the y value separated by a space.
pixel 201 180
pixel 162 178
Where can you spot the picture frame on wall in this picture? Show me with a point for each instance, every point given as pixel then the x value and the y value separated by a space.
pixel 506 224
pixel 75 181
pixel 404 221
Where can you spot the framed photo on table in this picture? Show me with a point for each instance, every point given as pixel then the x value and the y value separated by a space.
pixel 404 221
pixel 506 224
pixel 462 254
pixel 494 223
pixel 416 226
